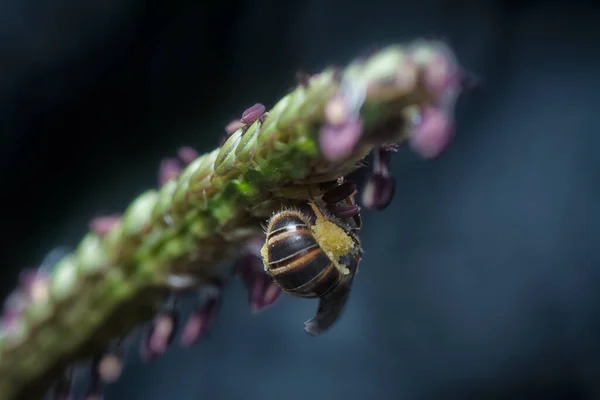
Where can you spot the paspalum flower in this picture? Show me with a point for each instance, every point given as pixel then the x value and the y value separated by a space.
pixel 209 208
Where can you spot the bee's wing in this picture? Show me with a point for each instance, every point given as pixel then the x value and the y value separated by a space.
pixel 330 309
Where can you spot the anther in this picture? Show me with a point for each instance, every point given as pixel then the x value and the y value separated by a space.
pixel 10 320
pixel 103 225
pixel 432 132
pixel 343 211
pixel 339 193
pixel 339 141
pixel 253 113
pixel 233 126
pixel 161 334
pixel 262 291
pixel 199 322
pixel 343 126
pixel 381 187
pixel 187 154
pixel 441 71
pixel 170 168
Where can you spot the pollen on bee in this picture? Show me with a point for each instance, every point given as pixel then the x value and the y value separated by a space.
pixel 332 239
pixel 264 253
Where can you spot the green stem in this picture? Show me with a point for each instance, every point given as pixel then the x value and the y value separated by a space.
pixel 110 284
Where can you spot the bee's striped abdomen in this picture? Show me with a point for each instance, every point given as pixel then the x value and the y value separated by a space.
pixel 289 237
pixel 318 286
pixel 296 261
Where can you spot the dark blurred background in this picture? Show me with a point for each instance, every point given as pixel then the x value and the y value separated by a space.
pixel 481 281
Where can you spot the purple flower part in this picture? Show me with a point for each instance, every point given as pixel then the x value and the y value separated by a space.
pixel 187 154
pixel 253 113
pixel 389 147
pixel 339 193
pixel 441 74
pixel 379 192
pixel 160 336
pixel 432 133
pixel 343 211
pixel 381 187
pixel 35 285
pixel 103 225
pixel 233 126
pixel 271 293
pixel 9 320
pixel 441 71
pixel 199 322
pixel 170 168
pixel 262 291
pixel 13 307
pixel 338 142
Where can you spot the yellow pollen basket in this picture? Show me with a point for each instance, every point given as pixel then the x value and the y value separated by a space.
pixel 334 241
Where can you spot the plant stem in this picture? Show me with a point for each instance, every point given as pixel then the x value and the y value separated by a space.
pixel 113 281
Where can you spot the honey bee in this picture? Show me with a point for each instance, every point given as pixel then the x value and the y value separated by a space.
pixel 314 252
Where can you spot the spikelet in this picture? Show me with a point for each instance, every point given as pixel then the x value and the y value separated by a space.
pixel 208 206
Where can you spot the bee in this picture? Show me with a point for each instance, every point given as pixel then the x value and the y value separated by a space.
pixel 314 252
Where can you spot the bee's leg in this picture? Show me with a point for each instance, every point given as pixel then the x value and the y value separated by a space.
pixel 329 310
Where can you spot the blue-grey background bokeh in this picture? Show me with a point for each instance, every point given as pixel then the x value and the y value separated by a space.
pixel 480 281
